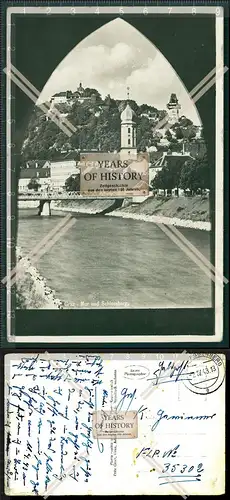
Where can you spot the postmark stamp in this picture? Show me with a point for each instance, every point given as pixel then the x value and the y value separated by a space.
pixel 207 373
pixel 112 424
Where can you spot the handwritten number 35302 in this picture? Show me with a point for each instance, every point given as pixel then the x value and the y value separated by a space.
pixel 183 469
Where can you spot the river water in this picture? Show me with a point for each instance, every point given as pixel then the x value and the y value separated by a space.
pixel 114 262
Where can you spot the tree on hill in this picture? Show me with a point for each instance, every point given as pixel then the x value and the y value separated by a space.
pixel 204 172
pixel 61 107
pixel 144 134
pixel 121 105
pixel 159 181
pixel 195 175
pixel 175 146
pixel 189 133
pixel 113 104
pixel 184 122
pixel 168 135
pixel 162 114
pixel 179 133
pixel 34 184
pixel 80 113
pixel 145 108
pixel 110 103
pixel 169 176
pixel 73 183
pixel 89 92
pixel 97 127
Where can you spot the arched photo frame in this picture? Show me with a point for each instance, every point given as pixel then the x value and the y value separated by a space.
pixel 193 63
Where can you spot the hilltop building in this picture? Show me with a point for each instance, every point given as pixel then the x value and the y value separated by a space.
pixel 59 98
pixel 173 107
pixel 62 98
pixel 69 97
pixel 80 89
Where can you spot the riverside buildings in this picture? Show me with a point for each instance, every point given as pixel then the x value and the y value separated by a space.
pixel 52 174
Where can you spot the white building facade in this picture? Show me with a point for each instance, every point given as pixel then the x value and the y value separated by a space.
pixel 60 171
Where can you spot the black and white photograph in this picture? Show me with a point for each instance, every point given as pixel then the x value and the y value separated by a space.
pixel 102 86
pixel 137 227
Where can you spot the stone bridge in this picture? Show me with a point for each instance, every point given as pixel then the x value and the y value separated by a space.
pixel 44 199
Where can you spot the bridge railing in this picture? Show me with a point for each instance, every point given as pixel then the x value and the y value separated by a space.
pixel 49 196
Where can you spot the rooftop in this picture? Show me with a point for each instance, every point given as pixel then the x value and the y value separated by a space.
pixel 172 159
pixel 34 164
pixel 60 94
pixel 128 114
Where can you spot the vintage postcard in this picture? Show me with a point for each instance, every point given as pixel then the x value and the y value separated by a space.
pixel 109 424
pixel 115 170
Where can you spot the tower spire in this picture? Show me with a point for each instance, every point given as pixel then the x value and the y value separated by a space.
pixel 128 129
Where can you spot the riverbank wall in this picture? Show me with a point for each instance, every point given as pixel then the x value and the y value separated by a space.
pixel 32 291
pixel 181 212
pixel 158 219
pixel 94 206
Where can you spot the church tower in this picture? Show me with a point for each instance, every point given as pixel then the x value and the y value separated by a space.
pixel 80 89
pixel 128 131
pixel 173 109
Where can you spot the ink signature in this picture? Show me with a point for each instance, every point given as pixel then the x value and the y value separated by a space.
pixel 172 372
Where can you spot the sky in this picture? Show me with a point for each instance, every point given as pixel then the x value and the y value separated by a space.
pixel 117 56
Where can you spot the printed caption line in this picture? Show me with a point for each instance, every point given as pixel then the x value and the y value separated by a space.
pixel 219 72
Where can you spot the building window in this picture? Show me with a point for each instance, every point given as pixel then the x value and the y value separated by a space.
pixel 128 141
pixel 129 130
